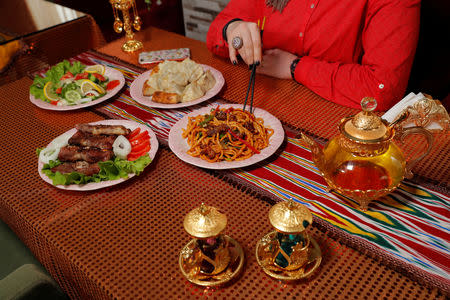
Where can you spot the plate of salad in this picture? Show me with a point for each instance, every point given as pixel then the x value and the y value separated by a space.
pixel 97 155
pixel 69 86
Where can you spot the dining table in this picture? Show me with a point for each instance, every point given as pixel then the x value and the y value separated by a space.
pixel 124 241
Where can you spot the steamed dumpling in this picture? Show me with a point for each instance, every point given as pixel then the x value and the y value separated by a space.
pixel 195 73
pixel 192 91
pixel 206 81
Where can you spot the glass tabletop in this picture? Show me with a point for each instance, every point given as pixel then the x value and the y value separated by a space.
pixel 21 18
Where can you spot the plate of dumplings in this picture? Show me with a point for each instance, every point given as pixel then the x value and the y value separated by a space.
pixel 174 84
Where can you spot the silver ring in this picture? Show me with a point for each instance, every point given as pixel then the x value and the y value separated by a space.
pixel 237 43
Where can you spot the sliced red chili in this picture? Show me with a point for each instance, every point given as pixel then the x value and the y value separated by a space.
pixel 229 109
pixel 244 142
pixel 54 102
pixel 216 110
pixel 252 117
pixel 58 90
pixel 112 84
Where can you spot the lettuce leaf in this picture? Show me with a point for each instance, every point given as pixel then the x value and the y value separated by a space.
pixel 76 67
pixel 109 170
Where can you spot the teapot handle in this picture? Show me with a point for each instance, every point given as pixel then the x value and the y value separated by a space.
pixel 429 137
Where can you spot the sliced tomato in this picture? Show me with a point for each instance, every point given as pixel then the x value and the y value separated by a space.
pixel 112 84
pixel 136 154
pixel 83 75
pixel 141 136
pixel 54 102
pixel 67 75
pixel 141 146
pixel 58 90
pixel 136 142
pixel 99 76
pixel 133 133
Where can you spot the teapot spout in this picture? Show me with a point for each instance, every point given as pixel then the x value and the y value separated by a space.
pixel 316 151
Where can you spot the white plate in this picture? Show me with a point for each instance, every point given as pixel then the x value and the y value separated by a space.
pixel 138 83
pixel 111 73
pixel 98 185
pixel 180 146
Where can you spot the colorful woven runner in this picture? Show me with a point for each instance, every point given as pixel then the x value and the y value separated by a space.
pixel 409 228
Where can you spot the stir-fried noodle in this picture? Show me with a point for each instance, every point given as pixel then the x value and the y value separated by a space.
pixel 226 134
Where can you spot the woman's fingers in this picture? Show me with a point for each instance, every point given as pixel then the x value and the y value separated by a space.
pixel 251 40
pixel 246 51
pixel 256 42
pixel 232 53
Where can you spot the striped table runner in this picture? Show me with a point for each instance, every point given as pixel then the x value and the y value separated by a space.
pixel 409 228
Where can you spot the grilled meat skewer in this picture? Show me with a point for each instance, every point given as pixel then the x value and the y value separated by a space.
pixel 82 139
pixel 79 166
pixel 103 129
pixel 92 155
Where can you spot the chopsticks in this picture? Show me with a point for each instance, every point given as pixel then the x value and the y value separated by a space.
pixel 251 84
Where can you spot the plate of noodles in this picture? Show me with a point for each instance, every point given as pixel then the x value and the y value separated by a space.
pixel 226 137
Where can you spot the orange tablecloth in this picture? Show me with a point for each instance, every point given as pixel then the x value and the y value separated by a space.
pixel 123 242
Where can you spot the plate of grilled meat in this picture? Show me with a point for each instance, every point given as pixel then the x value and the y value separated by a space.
pixel 97 155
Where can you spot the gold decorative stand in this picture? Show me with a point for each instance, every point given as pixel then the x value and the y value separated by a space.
pixel 131 44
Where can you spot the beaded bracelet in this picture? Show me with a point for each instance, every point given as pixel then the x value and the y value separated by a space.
pixel 293 66
pixel 224 30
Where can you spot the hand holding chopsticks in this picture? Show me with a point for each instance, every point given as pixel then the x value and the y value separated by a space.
pixel 251 84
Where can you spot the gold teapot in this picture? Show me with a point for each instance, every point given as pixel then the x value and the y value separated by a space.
pixel 362 162
pixel 210 258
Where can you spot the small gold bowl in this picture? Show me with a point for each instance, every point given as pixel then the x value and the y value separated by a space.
pixel 265 260
pixel 232 270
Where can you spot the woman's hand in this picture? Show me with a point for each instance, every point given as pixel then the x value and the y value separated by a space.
pixel 276 63
pixel 251 40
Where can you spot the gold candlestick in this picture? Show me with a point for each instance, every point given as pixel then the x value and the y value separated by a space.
pixel 131 44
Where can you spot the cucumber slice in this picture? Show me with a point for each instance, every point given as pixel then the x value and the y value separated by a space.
pixel 72 96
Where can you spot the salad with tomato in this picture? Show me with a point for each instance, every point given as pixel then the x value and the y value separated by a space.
pixel 72 83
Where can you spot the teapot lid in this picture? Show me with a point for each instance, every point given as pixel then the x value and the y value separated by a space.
pixel 290 217
pixel 204 222
pixel 365 125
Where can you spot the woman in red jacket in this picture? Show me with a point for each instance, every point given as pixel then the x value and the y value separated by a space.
pixel 343 50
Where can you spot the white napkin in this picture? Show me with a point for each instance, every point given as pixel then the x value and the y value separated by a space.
pixel 409 100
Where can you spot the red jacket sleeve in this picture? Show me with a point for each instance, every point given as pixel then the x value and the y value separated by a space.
pixel 242 9
pixel 389 41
